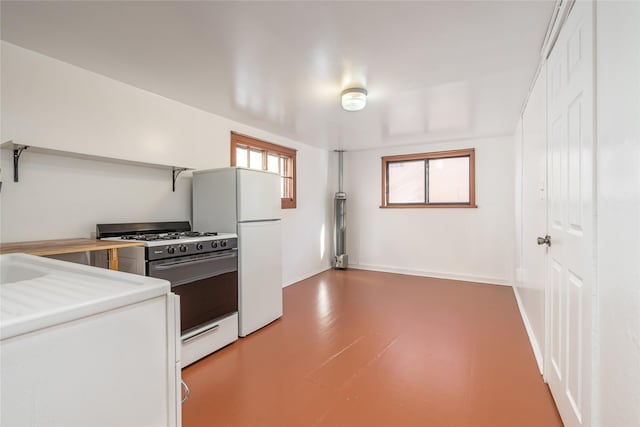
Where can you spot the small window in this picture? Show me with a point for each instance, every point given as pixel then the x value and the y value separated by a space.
pixel 445 179
pixel 252 153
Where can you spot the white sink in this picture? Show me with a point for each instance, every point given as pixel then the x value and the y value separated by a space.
pixel 38 292
pixel 11 272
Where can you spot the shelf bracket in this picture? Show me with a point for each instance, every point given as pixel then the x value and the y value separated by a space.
pixel 174 174
pixel 16 160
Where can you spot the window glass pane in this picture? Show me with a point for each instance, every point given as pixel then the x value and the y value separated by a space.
pixel 272 163
pixel 241 157
pixel 406 181
pixel 449 180
pixel 255 159
pixel 285 183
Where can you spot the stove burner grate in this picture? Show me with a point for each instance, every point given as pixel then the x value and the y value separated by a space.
pixel 150 237
pixel 193 234
pixel 168 236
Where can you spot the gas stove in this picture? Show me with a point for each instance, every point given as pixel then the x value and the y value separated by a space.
pixel 202 267
pixel 174 238
pixel 168 239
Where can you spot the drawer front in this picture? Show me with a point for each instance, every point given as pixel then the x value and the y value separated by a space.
pixel 218 334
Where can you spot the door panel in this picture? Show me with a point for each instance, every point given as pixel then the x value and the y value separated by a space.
pixel 574 343
pixel 555 153
pixel 575 170
pixel 570 212
pixel 556 317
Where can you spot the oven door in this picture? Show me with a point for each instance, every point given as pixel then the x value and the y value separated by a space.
pixel 207 285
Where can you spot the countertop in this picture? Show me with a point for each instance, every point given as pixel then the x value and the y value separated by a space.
pixel 63 246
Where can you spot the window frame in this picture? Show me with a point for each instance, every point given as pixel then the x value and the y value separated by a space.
pixel 267 148
pixel 469 152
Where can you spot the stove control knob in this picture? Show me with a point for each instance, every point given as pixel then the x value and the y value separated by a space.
pixel 214 245
pixel 183 248
pixel 223 243
pixel 199 246
pixel 171 250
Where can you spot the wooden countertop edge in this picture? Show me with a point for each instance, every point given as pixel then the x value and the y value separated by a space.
pixel 63 246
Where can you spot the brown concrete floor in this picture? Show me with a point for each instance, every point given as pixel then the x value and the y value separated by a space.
pixel 361 348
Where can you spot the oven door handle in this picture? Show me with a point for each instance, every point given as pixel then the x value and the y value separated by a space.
pixel 169 265
pixel 197 333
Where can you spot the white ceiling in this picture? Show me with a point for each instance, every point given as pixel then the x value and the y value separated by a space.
pixel 435 71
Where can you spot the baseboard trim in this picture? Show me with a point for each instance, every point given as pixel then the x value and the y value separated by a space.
pixel 436 275
pixel 537 353
pixel 306 276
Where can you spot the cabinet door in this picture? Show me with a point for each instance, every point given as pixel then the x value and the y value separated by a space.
pixel 174 347
pixel 108 369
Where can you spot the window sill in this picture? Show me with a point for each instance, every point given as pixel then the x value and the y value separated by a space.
pixel 287 204
pixel 429 206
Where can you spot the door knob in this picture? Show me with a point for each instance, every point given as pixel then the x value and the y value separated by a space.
pixel 546 240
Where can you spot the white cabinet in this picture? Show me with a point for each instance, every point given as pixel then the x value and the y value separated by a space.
pixel 79 350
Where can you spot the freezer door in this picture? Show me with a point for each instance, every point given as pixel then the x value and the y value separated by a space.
pixel 260 275
pixel 214 200
pixel 258 195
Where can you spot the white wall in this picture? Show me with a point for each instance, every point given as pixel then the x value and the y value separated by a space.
pixel 59 197
pixel 618 189
pixel 307 229
pixel 463 244
pixel 517 156
pixel 48 103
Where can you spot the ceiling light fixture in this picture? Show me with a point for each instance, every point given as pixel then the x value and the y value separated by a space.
pixel 354 99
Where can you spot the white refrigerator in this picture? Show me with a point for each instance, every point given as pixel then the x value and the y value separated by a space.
pixel 246 202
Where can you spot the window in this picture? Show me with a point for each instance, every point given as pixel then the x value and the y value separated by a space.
pixel 252 153
pixel 445 179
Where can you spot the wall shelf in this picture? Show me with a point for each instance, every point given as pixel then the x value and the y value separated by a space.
pixel 19 149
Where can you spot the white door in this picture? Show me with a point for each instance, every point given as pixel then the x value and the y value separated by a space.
pixel 570 266
pixel 259 274
pixel 531 289
pixel 258 195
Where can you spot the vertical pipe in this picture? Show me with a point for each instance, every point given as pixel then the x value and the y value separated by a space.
pixel 341 258
pixel 340 170
pixel 340 226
